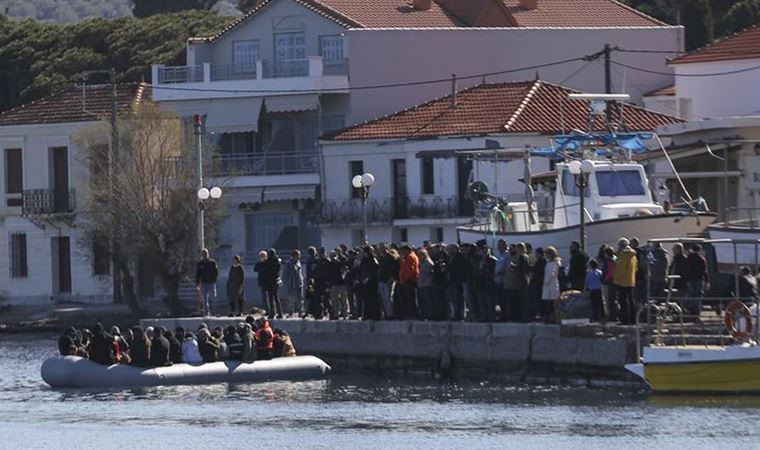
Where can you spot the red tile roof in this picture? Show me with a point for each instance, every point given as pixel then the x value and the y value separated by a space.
pixel 667 91
pixel 580 13
pixel 497 108
pixel 465 13
pixel 742 45
pixel 67 106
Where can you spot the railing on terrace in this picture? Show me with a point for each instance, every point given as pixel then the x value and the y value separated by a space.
pixel 48 201
pixel 233 72
pixel 180 74
pixel 385 210
pixel 206 72
pixel 267 163
pixel 286 68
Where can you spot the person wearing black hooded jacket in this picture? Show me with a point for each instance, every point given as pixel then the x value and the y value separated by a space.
pixel 140 348
pixel 160 349
pixel 175 347
pixel 101 346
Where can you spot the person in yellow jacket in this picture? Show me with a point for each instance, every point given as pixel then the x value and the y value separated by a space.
pixel 624 279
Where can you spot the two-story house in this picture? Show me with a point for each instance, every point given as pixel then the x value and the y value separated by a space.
pixel 291 70
pixel 423 159
pixel 45 180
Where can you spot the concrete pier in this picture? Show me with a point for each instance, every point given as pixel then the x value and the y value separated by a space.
pixel 535 352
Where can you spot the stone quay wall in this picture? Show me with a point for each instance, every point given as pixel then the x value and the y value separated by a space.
pixel 586 354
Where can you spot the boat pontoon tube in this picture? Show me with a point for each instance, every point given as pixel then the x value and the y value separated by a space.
pixel 76 372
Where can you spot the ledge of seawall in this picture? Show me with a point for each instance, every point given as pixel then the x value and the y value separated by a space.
pixel 508 350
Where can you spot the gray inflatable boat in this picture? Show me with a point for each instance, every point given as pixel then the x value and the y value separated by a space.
pixel 76 372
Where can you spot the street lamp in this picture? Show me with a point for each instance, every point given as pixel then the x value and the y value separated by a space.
pixel 364 182
pixel 581 170
pixel 203 192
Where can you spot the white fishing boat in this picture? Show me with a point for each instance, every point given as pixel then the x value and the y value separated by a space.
pixel 597 185
pixel 741 226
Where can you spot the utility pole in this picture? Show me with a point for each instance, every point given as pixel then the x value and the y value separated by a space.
pixel 607 85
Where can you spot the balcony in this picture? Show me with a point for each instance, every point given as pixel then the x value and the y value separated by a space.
pixel 267 163
pixel 45 202
pixel 386 210
pixel 269 76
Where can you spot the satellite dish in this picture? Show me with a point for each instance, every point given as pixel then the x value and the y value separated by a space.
pixel 477 191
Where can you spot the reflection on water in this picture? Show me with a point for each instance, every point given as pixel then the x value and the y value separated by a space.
pixel 351 412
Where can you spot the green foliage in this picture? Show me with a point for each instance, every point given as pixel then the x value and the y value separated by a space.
pixel 66 11
pixel 247 5
pixel 38 58
pixel 145 8
pixel 742 15
pixel 697 19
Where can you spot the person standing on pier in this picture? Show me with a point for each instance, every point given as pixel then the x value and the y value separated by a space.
pixel 409 271
pixel 292 275
pixel 576 273
pixel 206 273
pixel 624 280
pixel 696 279
pixel 236 286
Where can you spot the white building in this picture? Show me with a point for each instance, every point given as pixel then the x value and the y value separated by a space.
pixel 422 158
pixel 721 79
pixel 290 70
pixel 45 181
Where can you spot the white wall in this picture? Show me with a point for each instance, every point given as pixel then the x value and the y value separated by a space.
pixel 37 287
pixel 397 56
pixel 720 96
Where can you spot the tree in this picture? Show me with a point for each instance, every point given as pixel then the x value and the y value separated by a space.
pixel 247 5
pixel 145 8
pixel 697 19
pixel 147 208
pixel 742 15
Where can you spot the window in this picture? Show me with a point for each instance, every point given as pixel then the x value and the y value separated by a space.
pixel 244 56
pixel 14 177
pixel 437 234
pixel 403 234
pixel 428 179
pixel 619 182
pixel 101 264
pixel 18 255
pixel 355 168
pixel 331 49
pixel 569 187
pixel 236 143
pixel 289 46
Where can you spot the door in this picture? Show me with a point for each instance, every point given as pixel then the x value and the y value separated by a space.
pixel 400 197
pixel 464 170
pixel 61 265
pixel 290 55
pixel 60 179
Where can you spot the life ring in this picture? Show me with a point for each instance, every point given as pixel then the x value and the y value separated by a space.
pixel 730 318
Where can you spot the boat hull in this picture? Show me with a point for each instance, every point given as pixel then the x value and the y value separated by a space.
pixel 708 376
pixel 600 232
pixel 746 253
pixel 76 372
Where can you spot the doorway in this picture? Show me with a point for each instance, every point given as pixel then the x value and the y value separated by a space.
pixel 400 199
pixel 61 252
pixel 59 179
pixel 464 170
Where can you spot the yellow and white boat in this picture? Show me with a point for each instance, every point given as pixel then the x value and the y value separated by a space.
pixel 705 368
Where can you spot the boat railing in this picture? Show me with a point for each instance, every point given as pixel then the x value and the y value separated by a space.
pixel 665 321
pixel 545 216
pixel 742 217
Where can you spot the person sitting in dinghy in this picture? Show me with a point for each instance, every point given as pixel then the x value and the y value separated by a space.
pixel 140 348
pixel 102 346
pixel 208 346
pixel 190 352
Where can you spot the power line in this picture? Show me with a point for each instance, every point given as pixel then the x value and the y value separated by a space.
pixel 689 75
pixel 368 87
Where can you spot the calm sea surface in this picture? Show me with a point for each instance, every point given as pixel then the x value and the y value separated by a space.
pixel 355 412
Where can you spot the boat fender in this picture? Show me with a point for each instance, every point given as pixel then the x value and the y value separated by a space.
pixel 730 318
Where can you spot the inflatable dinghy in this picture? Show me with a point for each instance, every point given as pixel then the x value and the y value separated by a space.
pixel 76 372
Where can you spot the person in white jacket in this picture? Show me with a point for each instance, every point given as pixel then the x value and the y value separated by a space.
pixel 550 291
pixel 190 352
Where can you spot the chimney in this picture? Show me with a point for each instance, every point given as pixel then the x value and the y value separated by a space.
pixel 528 4
pixel 421 5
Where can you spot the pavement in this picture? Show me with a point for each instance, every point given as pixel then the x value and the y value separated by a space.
pixel 56 317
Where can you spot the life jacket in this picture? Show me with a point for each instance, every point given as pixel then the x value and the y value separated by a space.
pixel 117 351
pixel 265 337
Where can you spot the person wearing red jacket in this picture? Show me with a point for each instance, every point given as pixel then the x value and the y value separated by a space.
pixel 409 271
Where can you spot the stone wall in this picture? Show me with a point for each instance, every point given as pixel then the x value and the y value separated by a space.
pixel 588 352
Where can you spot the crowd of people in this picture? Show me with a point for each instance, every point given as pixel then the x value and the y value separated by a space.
pixel 249 341
pixel 513 282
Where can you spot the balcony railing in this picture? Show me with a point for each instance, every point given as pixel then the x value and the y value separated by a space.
pixel 267 163
pixel 180 74
pixel 385 210
pixel 262 69
pixel 286 68
pixel 39 202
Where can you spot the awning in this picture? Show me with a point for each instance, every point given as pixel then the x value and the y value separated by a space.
pixel 287 103
pixel 287 193
pixel 234 115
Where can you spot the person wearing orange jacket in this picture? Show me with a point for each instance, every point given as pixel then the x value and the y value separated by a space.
pixel 409 271
pixel 264 340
